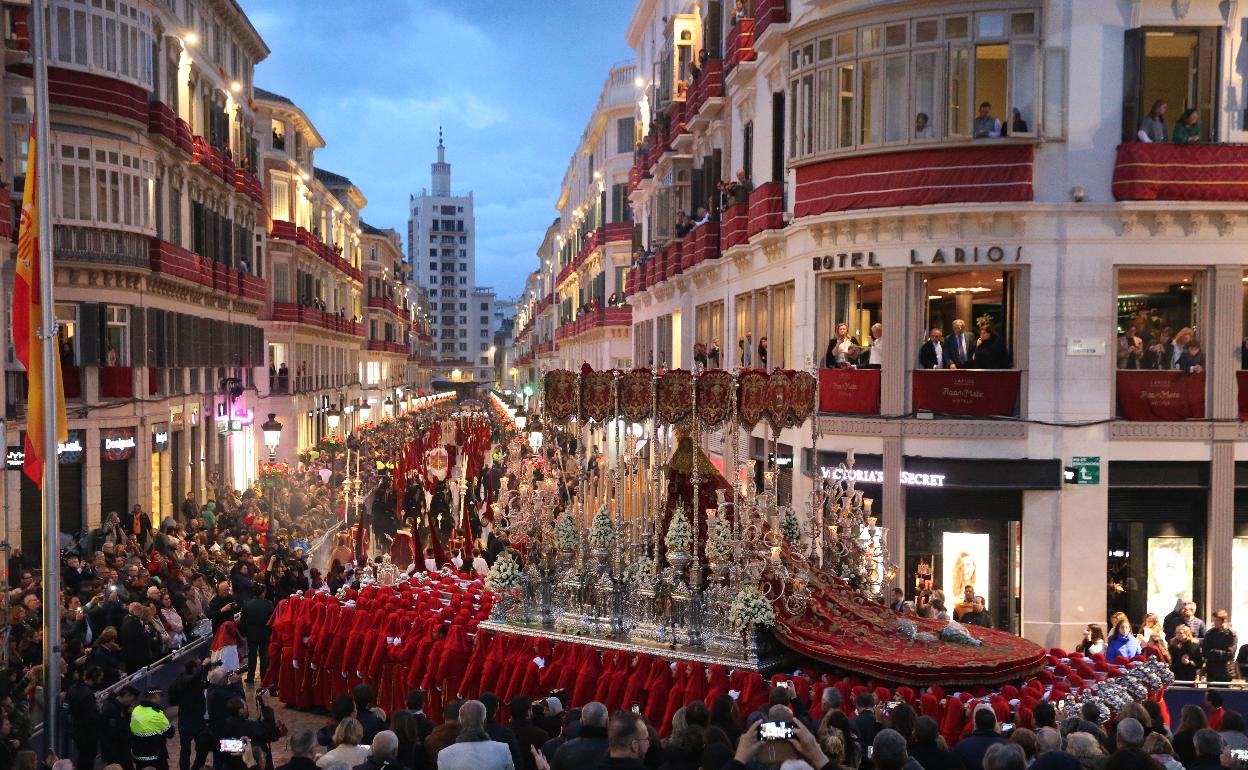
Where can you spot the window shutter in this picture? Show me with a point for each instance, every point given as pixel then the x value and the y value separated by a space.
pixel 1208 70
pixel 138 337
pixel 90 346
pixel 1132 82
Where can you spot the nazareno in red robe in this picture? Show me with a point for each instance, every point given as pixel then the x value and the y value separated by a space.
pixel 638 675
pixel 587 676
pixel 659 687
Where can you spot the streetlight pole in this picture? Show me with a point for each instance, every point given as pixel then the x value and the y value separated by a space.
pixel 272 431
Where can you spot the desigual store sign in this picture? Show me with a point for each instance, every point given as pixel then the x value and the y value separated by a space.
pixel 118 444
pixel 984 254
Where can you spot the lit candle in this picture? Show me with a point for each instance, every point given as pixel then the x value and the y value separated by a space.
pixel 775 554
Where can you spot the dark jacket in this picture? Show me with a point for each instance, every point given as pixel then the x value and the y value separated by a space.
pixel 137 645
pixel 527 734
pixel 991 354
pixel 373 763
pixel 619 763
pixel 371 723
pixel 189 693
pixel 865 726
pixel 442 736
pixel 588 750
pixel 255 619
pixel 972 748
pixel 84 712
pixel 1053 760
pixel 299 763
pixel 931 756
pixel 927 356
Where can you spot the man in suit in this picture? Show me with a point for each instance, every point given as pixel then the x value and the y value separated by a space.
pixel 1161 352
pixel 935 354
pixel 961 345
pixel 1130 349
pixel 899 600
pixel 990 351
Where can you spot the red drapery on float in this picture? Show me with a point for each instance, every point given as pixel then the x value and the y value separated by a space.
pixel 1156 396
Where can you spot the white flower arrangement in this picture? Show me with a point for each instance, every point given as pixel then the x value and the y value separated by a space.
pixel 504 575
pixel 601 529
pixel 641 572
pixel 750 610
pixel 567 536
pixel 719 541
pixel 790 527
pixel 679 534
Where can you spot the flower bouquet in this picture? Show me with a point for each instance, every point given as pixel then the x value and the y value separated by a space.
pixel 331 444
pixel 719 541
pixel 750 610
pixel 504 576
pixel 601 529
pixel 567 535
pixel 679 534
pixel 790 527
pixel 640 573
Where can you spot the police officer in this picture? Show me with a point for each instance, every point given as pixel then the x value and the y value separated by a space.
pixel 149 731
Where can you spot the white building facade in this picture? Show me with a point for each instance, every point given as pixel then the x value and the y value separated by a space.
pixel 441 234
pixel 975 162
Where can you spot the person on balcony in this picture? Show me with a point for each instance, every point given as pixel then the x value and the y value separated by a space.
pixel 1180 346
pixel 935 354
pixel 713 354
pixel 762 352
pixel 990 351
pixel 1187 129
pixel 923 127
pixel 875 349
pixel 1192 359
pixel 842 349
pixel 1160 351
pixel 1153 126
pixel 704 216
pixel 1130 349
pixel 985 125
pixel 961 344
pixel 746 350
pixel 683 224
pixel 739 12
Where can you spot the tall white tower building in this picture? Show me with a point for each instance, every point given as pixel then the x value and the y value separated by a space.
pixel 441 244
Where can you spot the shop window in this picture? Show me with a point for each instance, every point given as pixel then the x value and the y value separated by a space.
pixel 1178 66
pixel 1157 317
pixel 976 313
pixel 852 302
pixel 1157 542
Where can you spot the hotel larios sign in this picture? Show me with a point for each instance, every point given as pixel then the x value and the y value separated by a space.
pixel 953 255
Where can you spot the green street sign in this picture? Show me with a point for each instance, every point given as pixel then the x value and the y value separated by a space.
pixel 1087 470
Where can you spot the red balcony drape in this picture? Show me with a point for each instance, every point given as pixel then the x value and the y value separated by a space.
pixel 1181 172
pixel 1161 396
pixel 849 391
pixel 969 392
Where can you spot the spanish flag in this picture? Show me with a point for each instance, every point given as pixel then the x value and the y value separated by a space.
pixel 27 318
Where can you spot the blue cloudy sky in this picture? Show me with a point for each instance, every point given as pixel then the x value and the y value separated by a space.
pixel 512 82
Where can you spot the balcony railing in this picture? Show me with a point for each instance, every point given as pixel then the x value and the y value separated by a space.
pixel 99 246
pixel 768 12
pixel 386 346
pixel 708 85
pixel 766 208
pixel 739 47
pixel 290 312
pixel 971 173
pixel 849 391
pixel 1151 395
pixel 1181 172
pixel 7 231
pixel 116 382
pixel 164 122
pixel 967 392
pixel 618 232
pixel 735 220
pixel 598 318
pixel 288 231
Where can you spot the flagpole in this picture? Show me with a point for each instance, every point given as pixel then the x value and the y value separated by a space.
pixel 47 334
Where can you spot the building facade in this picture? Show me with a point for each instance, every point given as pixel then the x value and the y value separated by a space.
pixel 156 207
pixel 441 248
pixel 905 174
pixel 388 315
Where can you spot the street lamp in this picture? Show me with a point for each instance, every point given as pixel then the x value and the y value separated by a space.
pixel 389 406
pixel 333 417
pixel 535 432
pixel 272 430
pixel 364 410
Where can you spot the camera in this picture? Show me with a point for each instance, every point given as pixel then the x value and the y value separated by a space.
pixel 775 731
pixel 231 746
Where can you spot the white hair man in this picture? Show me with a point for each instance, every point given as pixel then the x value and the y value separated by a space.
pixel 473 749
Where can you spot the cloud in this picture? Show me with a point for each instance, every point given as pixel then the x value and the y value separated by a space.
pixel 377 78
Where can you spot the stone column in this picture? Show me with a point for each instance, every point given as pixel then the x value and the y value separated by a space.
pixel 1221 348
pixel 893 387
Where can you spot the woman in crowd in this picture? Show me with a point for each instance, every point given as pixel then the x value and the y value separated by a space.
pixel 1158 747
pixel 1192 719
pixel 347 748
pixel 1187 129
pixel 1185 659
pixel 842 350
pixel 1122 643
pixel 1093 640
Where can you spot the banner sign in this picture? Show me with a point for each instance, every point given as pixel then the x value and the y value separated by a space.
pixel 972 392
pixel 67 453
pixel 1161 395
pixel 849 391
pixel 118 443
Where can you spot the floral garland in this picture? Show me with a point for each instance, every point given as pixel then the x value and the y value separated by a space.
pixel 719 543
pixel 750 610
pixel 790 527
pixel 504 576
pixel 331 444
pixel 567 535
pixel 641 572
pixel 601 529
pixel 274 471
pixel 679 536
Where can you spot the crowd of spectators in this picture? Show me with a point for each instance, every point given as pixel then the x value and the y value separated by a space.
pixel 135 590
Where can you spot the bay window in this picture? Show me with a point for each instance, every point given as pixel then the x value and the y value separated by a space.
pixel 103 36
pixel 924 80
pixel 103 184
